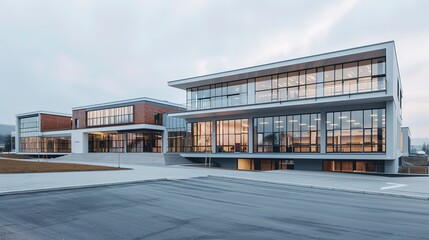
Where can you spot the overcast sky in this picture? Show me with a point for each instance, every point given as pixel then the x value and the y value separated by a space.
pixel 55 55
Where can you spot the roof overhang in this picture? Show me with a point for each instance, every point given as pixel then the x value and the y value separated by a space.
pixel 128 102
pixel 348 55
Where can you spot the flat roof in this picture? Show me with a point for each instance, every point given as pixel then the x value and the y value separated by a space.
pixel 362 52
pixel 129 101
pixel 21 115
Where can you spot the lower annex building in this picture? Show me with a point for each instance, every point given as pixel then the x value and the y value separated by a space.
pixel 338 111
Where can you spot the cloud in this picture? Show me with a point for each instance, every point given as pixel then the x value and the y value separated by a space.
pixel 62 54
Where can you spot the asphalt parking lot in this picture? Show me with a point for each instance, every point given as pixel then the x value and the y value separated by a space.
pixel 210 208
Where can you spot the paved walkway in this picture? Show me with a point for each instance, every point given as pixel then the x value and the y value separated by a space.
pixel 414 187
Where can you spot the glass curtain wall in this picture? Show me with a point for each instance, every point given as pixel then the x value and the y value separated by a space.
pixel 293 133
pixel 139 141
pixel 29 134
pixel 113 142
pixel 342 79
pixel 200 136
pixel 56 144
pixel 111 116
pixel 144 141
pixel 232 135
pixel 356 131
pixel 217 95
pixel 176 128
pixel 353 166
pixel 349 78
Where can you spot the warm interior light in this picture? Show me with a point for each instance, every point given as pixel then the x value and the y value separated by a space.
pixel 342 117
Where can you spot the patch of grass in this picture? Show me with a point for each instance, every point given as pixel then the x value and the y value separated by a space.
pixel 17 166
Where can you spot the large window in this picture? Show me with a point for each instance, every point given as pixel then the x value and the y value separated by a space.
pixel 56 144
pixel 176 128
pixel 29 126
pixel 45 144
pixel 200 136
pixel 114 142
pixel 144 141
pixel 349 78
pixel 29 140
pixel 217 95
pixel 356 131
pixel 293 133
pixel 111 116
pixel 356 77
pixel 232 135
pixel 353 166
pixel 138 141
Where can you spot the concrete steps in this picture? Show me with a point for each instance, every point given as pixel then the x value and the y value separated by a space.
pixel 152 159
pixel 175 159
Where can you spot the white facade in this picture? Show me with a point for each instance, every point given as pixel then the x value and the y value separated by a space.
pixel 388 99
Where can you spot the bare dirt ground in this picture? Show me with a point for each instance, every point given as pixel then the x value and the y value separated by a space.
pixel 15 166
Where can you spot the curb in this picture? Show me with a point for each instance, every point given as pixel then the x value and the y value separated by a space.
pixel 328 188
pixel 42 190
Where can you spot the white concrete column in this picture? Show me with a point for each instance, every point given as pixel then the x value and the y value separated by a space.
pixel 250 134
pixel 214 136
pixel 17 136
pixel 323 132
pixel 164 141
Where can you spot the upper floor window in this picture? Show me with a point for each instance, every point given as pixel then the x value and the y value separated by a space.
pixel 157 118
pixel 29 126
pixel 111 116
pixel 217 95
pixel 356 77
pixel 76 123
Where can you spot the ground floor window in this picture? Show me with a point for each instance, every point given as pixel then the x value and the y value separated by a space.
pixel 200 136
pixel 293 133
pixel 45 144
pixel 137 141
pixel 232 135
pixel 356 131
pixel 112 142
pixel 264 164
pixel 146 141
pixel 353 166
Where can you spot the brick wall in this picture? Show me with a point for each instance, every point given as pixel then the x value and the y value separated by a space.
pixel 50 122
pixel 81 115
pixel 144 113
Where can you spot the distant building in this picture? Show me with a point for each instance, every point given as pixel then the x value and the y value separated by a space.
pixel 134 125
pixel 43 132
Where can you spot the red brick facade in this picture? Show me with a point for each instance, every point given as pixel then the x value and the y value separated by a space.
pixel 81 115
pixel 50 122
pixel 144 113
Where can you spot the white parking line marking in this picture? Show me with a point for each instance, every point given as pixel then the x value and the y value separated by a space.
pixel 395 185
